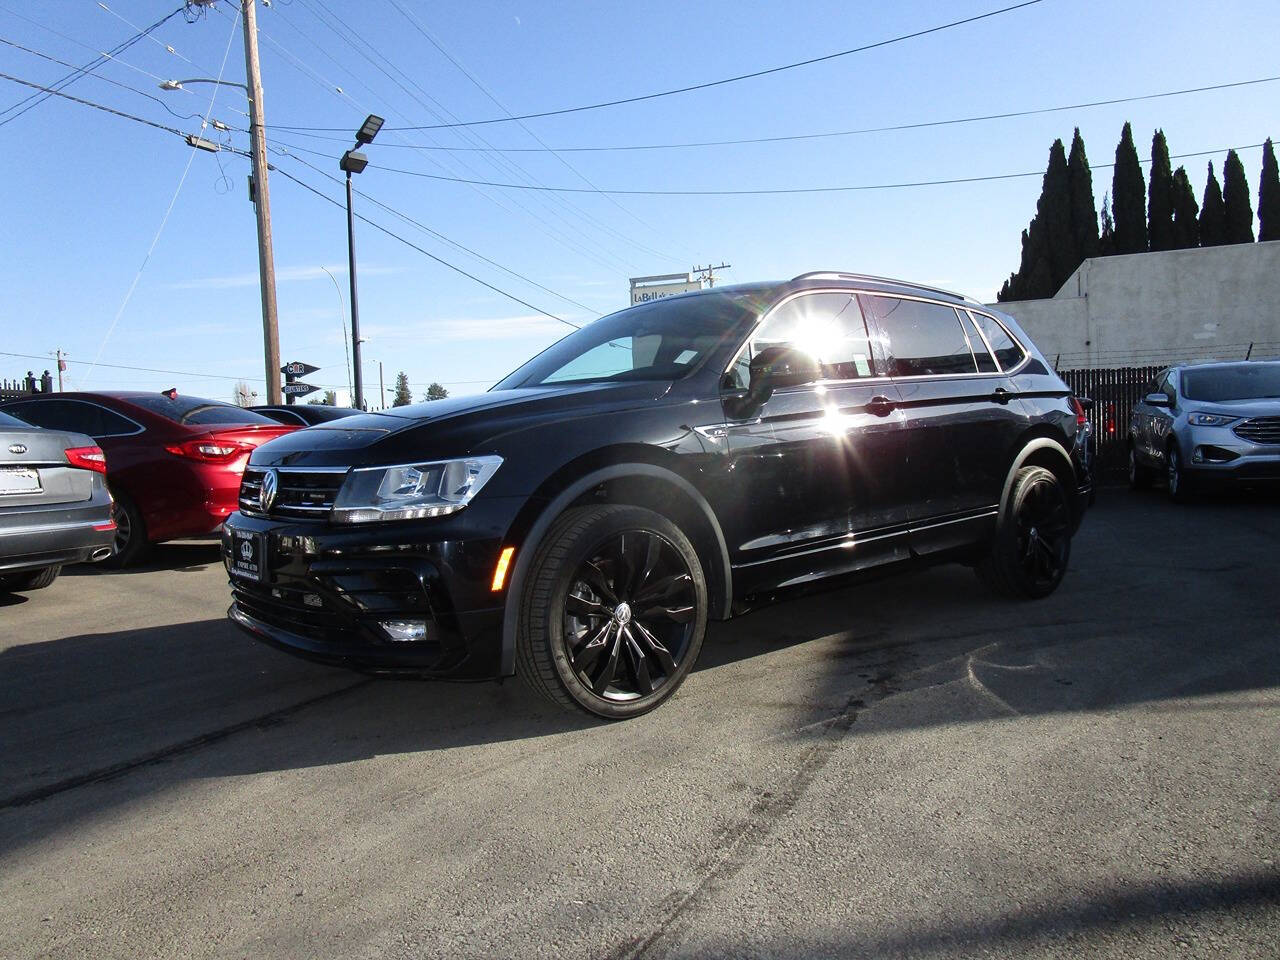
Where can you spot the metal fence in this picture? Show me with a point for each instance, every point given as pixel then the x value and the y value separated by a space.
pixel 1113 391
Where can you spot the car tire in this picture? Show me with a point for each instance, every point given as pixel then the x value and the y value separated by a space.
pixel 580 643
pixel 31 579
pixel 1031 546
pixel 1139 475
pixel 1176 480
pixel 130 544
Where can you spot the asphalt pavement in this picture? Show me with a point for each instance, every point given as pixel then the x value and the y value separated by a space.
pixel 901 768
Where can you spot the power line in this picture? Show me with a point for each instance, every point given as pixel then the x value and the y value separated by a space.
pixel 703 86
pixel 837 133
pixel 35 99
pixel 787 190
pixel 121 366
pixel 96 106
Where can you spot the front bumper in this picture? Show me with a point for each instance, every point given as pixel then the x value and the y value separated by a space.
pixel 1216 453
pixel 325 591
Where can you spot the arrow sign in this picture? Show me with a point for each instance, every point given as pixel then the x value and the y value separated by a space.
pixel 297 369
pixel 297 389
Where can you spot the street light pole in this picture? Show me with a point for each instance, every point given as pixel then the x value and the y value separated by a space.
pixel 262 204
pixel 355 303
pixel 353 161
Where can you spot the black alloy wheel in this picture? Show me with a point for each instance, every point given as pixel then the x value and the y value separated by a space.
pixel 615 613
pixel 1032 543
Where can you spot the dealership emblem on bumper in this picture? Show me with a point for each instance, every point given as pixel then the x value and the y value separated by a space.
pixel 246 551
pixel 17 448
pixel 267 495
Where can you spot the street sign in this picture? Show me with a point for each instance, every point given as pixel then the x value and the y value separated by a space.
pixel 297 389
pixel 297 369
pixel 647 289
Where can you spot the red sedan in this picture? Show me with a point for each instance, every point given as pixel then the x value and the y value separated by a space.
pixel 173 462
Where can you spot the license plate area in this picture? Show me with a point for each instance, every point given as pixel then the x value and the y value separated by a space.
pixel 248 555
pixel 16 481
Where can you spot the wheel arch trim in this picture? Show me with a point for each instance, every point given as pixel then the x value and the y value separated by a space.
pixel 533 539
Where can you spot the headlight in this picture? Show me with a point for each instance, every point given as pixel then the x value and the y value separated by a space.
pixel 1209 420
pixel 412 491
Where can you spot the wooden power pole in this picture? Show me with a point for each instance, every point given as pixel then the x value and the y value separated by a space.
pixel 262 202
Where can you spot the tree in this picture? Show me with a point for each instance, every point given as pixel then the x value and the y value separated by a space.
pixel 435 392
pixel 1269 195
pixel 1084 215
pixel 1049 253
pixel 1235 199
pixel 1160 196
pixel 1186 228
pixel 1213 213
pixel 1107 238
pixel 327 399
pixel 402 396
pixel 1129 197
pixel 242 396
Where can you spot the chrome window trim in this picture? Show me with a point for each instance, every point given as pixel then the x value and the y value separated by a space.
pixel 1026 354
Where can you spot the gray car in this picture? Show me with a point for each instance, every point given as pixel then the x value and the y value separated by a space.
pixel 1208 422
pixel 54 504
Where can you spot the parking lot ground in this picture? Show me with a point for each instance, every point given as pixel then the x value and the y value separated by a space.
pixel 901 768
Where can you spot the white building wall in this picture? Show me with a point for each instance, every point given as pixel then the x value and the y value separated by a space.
pixel 1156 308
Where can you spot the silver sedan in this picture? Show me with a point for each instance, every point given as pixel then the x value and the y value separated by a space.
pixel 54 504
pixel 1208 422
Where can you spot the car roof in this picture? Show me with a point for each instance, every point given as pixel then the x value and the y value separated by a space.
pixel 1222 364
pixel 775 289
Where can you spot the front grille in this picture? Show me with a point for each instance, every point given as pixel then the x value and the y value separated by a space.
pixel 1259 430
pixel 297 611
pixel 300 493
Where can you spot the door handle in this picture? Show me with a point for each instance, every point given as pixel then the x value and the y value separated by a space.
pixel 880 406
pixel 1001 396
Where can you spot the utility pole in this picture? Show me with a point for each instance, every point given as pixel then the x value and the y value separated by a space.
pixel 708 273
pixel 382 387
pixel 58 354
pixel 262 202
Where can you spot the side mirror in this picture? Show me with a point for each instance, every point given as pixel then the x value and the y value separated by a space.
pixel 1156 400
pixel 780 366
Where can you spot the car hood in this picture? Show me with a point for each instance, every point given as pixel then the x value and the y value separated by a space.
pixel 449 427
pixel 1266 407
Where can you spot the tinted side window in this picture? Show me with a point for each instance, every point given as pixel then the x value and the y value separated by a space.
pixel 50 414
pixel 923 339
pixel 986 362
pixel 828 326
pixel 1006 349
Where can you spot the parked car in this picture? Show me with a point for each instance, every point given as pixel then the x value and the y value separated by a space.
pixel 173 462
pixel 304 414
pixel 1208 423
pixel 54 505
pixel 676 462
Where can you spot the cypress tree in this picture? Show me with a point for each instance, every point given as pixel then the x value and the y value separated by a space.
pixel 1269 195
pixel 1054 213
pixel 1129 197
pixel 1107 238
pixel 1186 228
pixel 1084 215
pixel 1213 213
pixel 1235 198
pixel 1160 196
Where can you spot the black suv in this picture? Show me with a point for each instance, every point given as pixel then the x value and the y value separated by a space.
pixel 679 461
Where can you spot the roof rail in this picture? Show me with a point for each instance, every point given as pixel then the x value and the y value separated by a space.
pixel 840 275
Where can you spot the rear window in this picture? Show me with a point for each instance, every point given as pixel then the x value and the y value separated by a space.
pixel 196 411
pixel 1248 381
pixel 8 421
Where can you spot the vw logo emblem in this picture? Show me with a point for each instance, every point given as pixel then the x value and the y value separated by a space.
pixel 246 550
pixel 270 486
pixel 17 448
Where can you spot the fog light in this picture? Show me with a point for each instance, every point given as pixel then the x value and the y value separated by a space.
pixel 405 630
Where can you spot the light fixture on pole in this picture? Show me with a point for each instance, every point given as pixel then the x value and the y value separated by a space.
pixel 353 161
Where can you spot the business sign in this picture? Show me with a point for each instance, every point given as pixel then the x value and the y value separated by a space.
pixel 297 369
pixel 297 389
pixel 648 289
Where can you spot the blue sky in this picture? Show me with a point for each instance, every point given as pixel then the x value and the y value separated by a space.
pixel 86 192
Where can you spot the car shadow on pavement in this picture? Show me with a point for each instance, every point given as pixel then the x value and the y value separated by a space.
pixel 97 720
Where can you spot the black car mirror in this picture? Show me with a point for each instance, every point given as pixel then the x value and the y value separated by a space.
pixel 1156 400
pixel 781 366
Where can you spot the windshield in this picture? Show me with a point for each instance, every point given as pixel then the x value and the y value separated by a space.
pixel 662 340
pixel 1247 381
pixel 196 410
